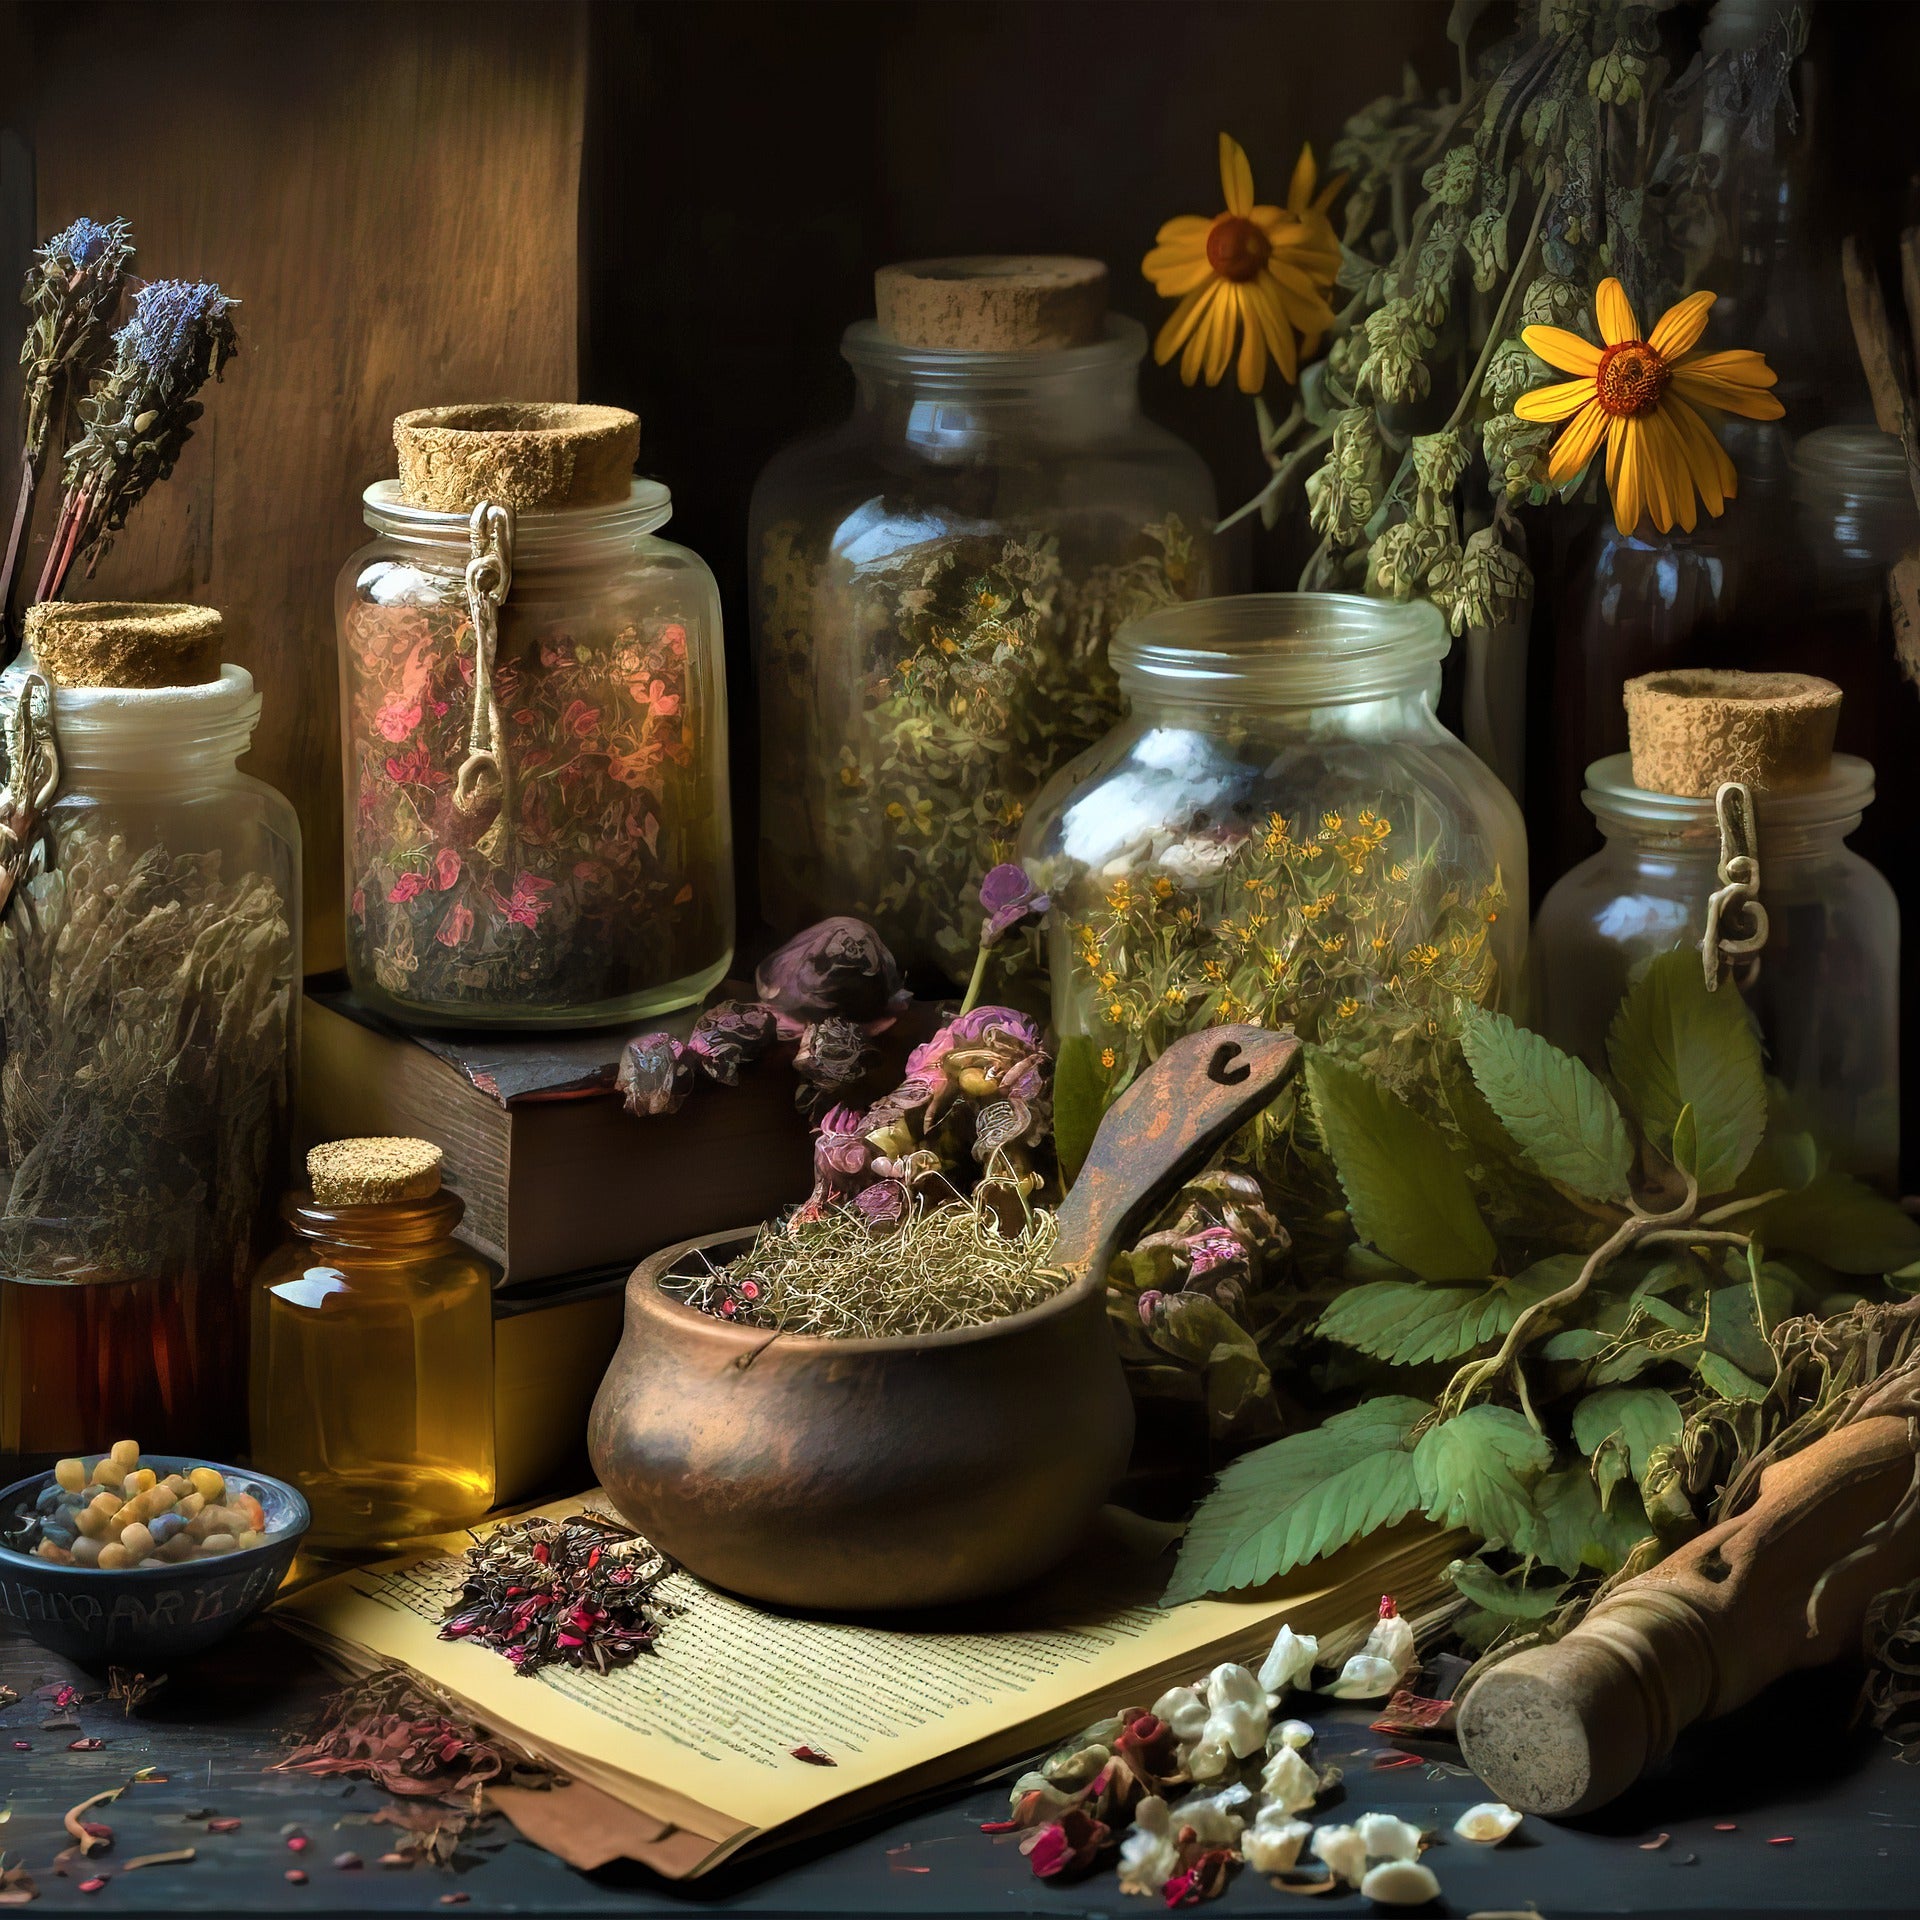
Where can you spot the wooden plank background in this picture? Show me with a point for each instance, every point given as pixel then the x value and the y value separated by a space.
pixel 392 192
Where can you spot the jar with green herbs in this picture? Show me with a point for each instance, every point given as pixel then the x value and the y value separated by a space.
pixel 1280 831
pixel 534 731
pixel 149 989
pixel 936 582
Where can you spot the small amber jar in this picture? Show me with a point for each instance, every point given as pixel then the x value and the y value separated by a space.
pixel 373 1351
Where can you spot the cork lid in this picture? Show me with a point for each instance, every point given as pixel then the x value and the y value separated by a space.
pixel 372 1172
pixel 522 454
pixel 992 302
pixel 124 643
pixel 1694 728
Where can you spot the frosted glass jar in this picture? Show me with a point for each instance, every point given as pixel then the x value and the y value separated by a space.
pixel 1825 987
pixel 149 988
pixel 595 885
pixel 935 584
pixel 1280 830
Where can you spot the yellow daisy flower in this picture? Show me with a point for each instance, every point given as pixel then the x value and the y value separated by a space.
pixel 1256 272
pixel 1639 396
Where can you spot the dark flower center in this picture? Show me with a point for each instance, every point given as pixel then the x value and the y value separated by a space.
pixel 1236 248
pixel 1631 379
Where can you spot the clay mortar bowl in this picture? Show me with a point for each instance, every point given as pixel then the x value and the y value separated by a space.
pixel 859 1475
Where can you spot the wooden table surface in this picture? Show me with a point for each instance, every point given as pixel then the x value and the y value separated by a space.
pixel 1844 1811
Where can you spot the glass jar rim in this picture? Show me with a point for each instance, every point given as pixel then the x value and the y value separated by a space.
pixel 647 507
pixel 1611 794
pixel 1123 344
pixel 106 725
pixel 1311 647
pixel 1860 459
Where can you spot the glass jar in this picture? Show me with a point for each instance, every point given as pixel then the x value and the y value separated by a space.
pixel 1824 988
pixel 149 989
pixel 373 1368
pixel 935 584
pixel 589 881
pixel 1281 831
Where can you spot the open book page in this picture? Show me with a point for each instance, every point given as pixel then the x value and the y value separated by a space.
pixel 702 1732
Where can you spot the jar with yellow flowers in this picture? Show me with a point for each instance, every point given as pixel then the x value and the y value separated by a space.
pixel 936 582
pixel 1280 831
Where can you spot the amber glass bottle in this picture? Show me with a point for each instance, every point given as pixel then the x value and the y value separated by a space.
pixel 373 1351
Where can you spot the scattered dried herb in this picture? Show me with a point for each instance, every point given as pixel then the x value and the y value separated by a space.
pixel 1890 1698
pixel 936 1268
pixel 580 1592
pixel 129 1688
pixel 597 871
pixel 430 1836
pixel 976 665
pixel 17 1886
pixel 90 1836
pixel 174 1858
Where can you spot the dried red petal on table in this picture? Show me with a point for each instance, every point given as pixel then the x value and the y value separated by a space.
pixel 298 1844
pixel 1410 1712
pixel 1725 1826
pixel 223 1826
pixel 93 1886
pixel 454 1899
pixel 23 1746
pixel 1781 1840
pixel 294 1877
pixel 1390 1758
pixel 90 1745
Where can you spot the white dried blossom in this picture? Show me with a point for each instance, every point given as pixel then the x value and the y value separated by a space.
pixel 1216 1818
pixel 1388 1837
pixel 1182 1709
pixel 1489 1823
pixel 1195 860
pixel 1236 1723
pixel 1400 1883
pixel 1386 1659
pixel 1149 1855
pixel 1289 1663
pixel 1344 1852
pixel 1288 1782
pixel 1289 1733
pixel 1273 1845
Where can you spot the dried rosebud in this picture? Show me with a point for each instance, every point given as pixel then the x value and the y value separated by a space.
pixel 1150 1749
pixel 833 1054
pixel 729 1035
pixel 1008 899
pixel 838 967
pixel 1071 1844
pixel 842 1155
pixel 990 1053
pixel 884 1204
pixel 654 1075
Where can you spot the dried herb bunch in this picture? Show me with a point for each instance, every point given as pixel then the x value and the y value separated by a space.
pixel 937 1267
pixel 600 871
pixel 145 998
pixel 579 1592
pixel 981 668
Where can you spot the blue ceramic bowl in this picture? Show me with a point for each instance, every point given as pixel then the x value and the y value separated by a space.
pixel 150 1615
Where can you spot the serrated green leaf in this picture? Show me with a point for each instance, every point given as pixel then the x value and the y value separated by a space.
pixel 1727 1380
pixel 1673 1045
pixel 1474 1471
pixel 1843 1224
pixel 1569 1529
pixel 1558 1113
pixel 1405 1191
pixel 1404 1322
pixel 1485 1588
pixel 1643 1417
pixel 1300 1497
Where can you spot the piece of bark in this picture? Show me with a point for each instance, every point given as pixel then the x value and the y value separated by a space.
pixel 1903 589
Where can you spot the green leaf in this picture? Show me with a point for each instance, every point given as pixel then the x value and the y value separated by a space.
pixel 1686 1142
pixel 1298 1498
pixel 1404 1322
pixel 1474 1471
pixel 1405 1191
pixel 1558 1113
pixel 1841 1223
pixel 1736 1329
pixel 1197 1329
pixel 1568 1528
pixel 1674 1045
pixel 1485 1588
pixel 1643 1417
pixel 1577 1343
pixel 1082 1091
pixel 1727 1380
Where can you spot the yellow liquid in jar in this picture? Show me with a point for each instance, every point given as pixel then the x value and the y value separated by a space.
pixel 373 1394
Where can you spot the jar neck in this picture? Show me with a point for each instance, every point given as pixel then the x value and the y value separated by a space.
pixel 1780 843
pixel 565 537
pixel 1257 709
pixel 957 406
pixel 392 1230
pixel 155 737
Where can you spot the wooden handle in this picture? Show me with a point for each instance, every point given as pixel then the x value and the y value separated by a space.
pixel 1566 1728
pixel 1164 1128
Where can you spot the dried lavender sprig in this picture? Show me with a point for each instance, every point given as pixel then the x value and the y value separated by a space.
pixel 72 292
pixel 138 416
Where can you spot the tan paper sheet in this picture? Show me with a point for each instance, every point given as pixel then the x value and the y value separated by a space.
pixel 701 1733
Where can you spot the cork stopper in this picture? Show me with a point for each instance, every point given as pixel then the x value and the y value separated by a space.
pixel 523 454
pixel 1694 728
pixel 992 302
pixel 372 1172
pixel 124 643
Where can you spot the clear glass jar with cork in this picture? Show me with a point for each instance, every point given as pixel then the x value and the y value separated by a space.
pixel 1732 799
pixel 534 731
pixel 936 581
pixel 149 991
pixel 372 1377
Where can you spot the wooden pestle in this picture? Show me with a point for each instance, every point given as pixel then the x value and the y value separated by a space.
pixel 1563 1729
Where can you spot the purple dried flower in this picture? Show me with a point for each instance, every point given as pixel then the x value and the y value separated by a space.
pixel 81 244
pixel 654 1075
pixel 884 1203
pixel 729 1035
pixel 180 331
pixel 1149 1305
pixel 990 1053
pixel 837 968
pixel 842 1154
pixel 1008 899
pixel 833 1054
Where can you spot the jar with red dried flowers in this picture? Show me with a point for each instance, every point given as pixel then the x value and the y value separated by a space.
pixel 533 706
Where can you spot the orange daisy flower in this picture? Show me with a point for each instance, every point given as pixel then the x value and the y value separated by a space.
pixel 1640 396
pixel 1259 274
